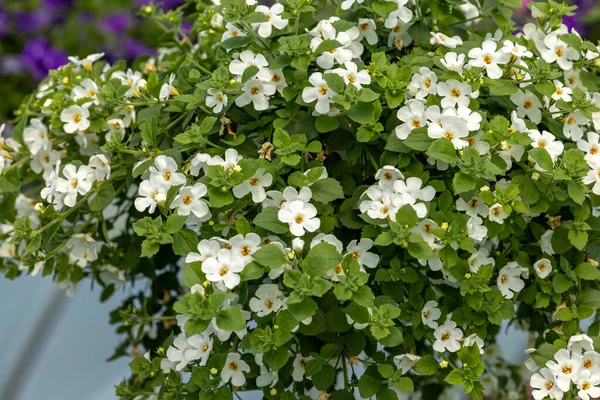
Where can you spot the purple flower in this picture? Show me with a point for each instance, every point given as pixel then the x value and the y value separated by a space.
pixel 39 57
pixel 58 3
pixel 165 4
pixel 116 23
pixel 33 21
pixel 3 23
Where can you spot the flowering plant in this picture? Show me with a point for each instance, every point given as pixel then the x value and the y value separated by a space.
pixel 329 200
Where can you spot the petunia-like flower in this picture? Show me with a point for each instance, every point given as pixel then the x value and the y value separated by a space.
pixel 274 19
pixel 346 4
pixel 588 386
pixel 255 185
pixel 430 314
pixel 591 146
pixel 247 59
pixel 580 343
pixel 566 368
pixel 515 50
pixel 189 200
pixel 413 116
pixel 256 92
pixel 557 50
pixel 476 230
pixel 244 247
pixel 593 176
pixel 224 268
pixel 544 385
pixel 87 89
pixel 542 267
pixel 352 76
pixel 36 137
pixel 490 58
pixel 453 62
pixel 300 216
pixel 475 206
pixel 75 119
pixel 367 29
pixel 267 300
pixel 453 129
pixel 454 93
pixel 299 367
pixel 509 280
pixel 401 14
pixel 167 89
pixel 231 31
pixel 206 249
pixel 446 41
pixel 361 254
pixel 83 249
pixel 232 158
pixel 447 337
pixel 547 141
pixel 497 214
pixel 405 362
pixel 100 167
pixel 528 105
pixel 320 92
pixel 150 195
pixel 77 181
pixel 86 62
pixel 561 91
pixel 165 172
pixel 234 369
pixel 423 84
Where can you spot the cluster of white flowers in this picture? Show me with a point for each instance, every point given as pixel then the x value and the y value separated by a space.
pixel 576 365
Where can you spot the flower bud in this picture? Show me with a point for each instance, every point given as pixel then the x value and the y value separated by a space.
pixel 298 245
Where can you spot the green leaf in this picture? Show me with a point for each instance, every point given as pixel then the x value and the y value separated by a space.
pixel 251 272
pixel 184 242
pixel 588 272
pixel 560 283
pixel 242 226
pixel 236 42
pixel 542 158
pixel 384 8
pixel 463 182
pixel 10 181
pixel 267 219
pixel 192 274
pixel 426 365
pixel 320 259
pixel 578 238
pixel 325 123
pixel 576 191
pixel 405 384
pixel 368 386
pixel 326 45
pixel 443 150
pixel 102 198
pixel 326 190
pixel 363 113
pixel 407 216
pixel 219 198
pixel 304 309
pixel 325 378
pixel 270 256
pixel 512 3
pixel 231 319
pixel 275 359
pixel 175 222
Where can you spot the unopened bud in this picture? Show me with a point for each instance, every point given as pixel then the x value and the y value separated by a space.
pixel 443 364
pixel 468 276
pixel 535 176
pixel 213 371
pixel 484 189
pixel 298 245
pixel 444 225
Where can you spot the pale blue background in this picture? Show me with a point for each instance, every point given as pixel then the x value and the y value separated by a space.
pixel 66 360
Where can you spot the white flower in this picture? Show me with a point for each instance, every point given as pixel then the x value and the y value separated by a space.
pixel 115 126
pixel 247 59
pixel 367 28
pixel 478 259
pixel 77 182
pixel 515 50
pixel 557 50
pixel 593 176
pixel 453 129
pixel 35 136
pixel 399 37
pixel 167 89
pixel 87 61
pixel 591 147
pixel 86 89
pixel 206 249
pixel 475 206
pixel 361 254
pixel 469 117
pixel 327 238
pixel 476 230
pixel 346 4
pixel 580 343
pixel 189 200
pixel 231 31
pixel 267 300
pixel 430 314
pixel 489 58
pixel 413 115
pixel 43 162
pixel 388 174
pixel 255 185
pixel 299 367
pixel 234 369
pixel 566 369
pixel 572 78
pixel 446 41
pixel 528 105
pixel 401 14
pixel 224 268
pixel 83 248
pixel 199 162
pixel 561 91
pixel 151 194
pixel 300 216
pixel 547 141
pixel 423 83
pixel 454 93
pixel 588 386
pixel 230 162
pixel 352 76
pixel 165 172
pixel 320 92
pixel 256 92
pixel 591 362
pixel 545 385
pixel 405 362
pixel 75 119
pixel 100 167
pixel 447 337
pixel 497 213
pixel 274 19
pixel 542 267
pixel 346 52
pixel 203 345
pixel 474 340
pixel 245 246
pixel 453 62
pixel 572 125
pixel 509 280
